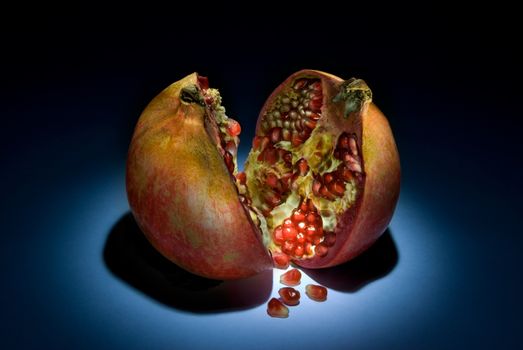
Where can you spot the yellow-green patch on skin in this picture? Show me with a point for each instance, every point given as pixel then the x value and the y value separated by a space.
pixel 192 237
pixel 369 150
pixel 230 256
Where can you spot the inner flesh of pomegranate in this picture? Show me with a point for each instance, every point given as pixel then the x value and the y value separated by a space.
pixel 225 132
pixel 300 176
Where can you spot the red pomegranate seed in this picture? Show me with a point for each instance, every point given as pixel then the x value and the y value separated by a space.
pixel 327 178
pixel 231 147
pixel 286 134
pixel 315 116
pixel 311 230
pixel 229 161
pixel 315 292
pixel 234 128
pixel 256 142
pixel 304 205
pixel 345 173
pixel 271 156
pixel 276 135
pixel 278 235
pixel 315 105
pixel 300 238
pixel 275 308
pixel 287 157
pixel 281 261
pixel 299 250
pixel 241 177
pixel 271 180
pixel 299 84
pixel 291 278
pixel 290 233
pixel 316 86
pixel 302 226
pixel 337 187
pixel 288 223
pixel 289 296
pixel 264 142
pixel 204 82
pixel 295 177
pixel 329 239
pixel 288 247
pixel 309 123
pixel 321 250
pixel 272 198
pixel 353 146
pixel 311 217
pixel 324 191
pixel 303 166
pixel 296 139
pixel 343 142
pixel 297 216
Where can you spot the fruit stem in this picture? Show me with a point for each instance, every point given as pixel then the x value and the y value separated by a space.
pixel 356 95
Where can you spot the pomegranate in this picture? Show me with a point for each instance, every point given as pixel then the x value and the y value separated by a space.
pixel 320 183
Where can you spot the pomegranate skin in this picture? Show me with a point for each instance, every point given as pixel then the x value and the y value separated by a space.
pixel 366 220
pixel 181 194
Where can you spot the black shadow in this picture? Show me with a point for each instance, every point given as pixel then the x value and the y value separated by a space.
pixel 378 261
pixel 129 256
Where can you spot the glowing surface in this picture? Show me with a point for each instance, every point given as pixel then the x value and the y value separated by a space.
pixel 100 309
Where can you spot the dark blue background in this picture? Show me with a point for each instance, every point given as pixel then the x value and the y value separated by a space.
pixel 72 90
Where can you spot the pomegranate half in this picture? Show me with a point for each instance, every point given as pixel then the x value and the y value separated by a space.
pixel 320 183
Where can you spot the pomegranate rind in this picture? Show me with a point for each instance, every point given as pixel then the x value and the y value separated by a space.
pixel 182 195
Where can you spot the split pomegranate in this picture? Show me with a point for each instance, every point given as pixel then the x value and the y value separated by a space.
pixel 291 277
pixel 275 308
pixel 315 292
pixel 289 296
pixel 320 183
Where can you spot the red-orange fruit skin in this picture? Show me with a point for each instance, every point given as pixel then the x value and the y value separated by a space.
pixel 181 194
pixel 362 224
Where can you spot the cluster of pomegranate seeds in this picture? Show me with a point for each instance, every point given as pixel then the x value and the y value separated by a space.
pixel 332 185
pixel 295 113
pixel 275 308
pixel 230 147
pixel 290 296
pixel 315 292
pixel 302 233
pixel 291 278
pixel 292 118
